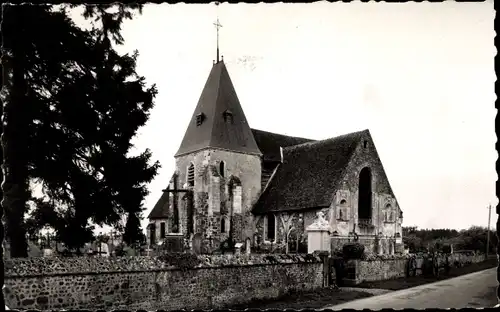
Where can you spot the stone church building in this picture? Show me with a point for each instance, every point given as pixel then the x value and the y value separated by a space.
pixel 265 188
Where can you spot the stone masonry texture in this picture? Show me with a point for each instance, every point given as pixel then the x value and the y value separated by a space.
pixel 210 201
pixel 148 283
pixel 365 156
pixel 396 266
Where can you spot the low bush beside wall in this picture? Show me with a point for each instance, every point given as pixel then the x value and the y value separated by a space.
pixel 155 282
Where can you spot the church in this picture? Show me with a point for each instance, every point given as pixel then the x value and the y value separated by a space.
pixel 264 189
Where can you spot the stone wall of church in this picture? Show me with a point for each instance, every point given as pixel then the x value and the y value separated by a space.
pixel 385 221
pixel 343 212
pixel 296 221
pixel 212 198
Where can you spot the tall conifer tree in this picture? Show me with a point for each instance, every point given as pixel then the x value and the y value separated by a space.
pixel 85 103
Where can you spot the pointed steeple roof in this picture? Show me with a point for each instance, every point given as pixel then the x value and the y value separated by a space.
pixel 218 120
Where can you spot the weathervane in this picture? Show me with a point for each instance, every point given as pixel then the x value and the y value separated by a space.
pixel 217 25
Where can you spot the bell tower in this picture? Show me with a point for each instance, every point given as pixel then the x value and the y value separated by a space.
pixel 220 162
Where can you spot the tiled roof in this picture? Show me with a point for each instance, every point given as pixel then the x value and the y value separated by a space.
pixel 160 209
pixel 217 99
pixel 309 174
pixel 270 143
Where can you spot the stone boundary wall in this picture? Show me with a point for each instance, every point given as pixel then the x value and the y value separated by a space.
pixel 378 269
pixel 465 259
pixel 151 283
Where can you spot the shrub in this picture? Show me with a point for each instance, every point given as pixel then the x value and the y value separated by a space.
pixel 353 251
pixel 120 250
pixel 321 253
pixel 309 258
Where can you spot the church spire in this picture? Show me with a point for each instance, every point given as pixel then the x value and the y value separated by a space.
pixel 217 26
pixel 218 121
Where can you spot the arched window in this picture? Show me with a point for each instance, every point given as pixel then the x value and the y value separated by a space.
pixel 365 194
pixel 222 168
pixel 190 175
pixel 342 213
pixel 223 225
pixel 271 227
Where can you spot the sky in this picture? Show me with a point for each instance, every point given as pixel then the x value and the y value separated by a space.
pixel 419 76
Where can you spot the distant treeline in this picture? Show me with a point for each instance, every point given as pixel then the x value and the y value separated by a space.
pixel 474 238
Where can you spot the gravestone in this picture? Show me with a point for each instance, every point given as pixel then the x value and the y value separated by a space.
pixel 103 249
pixel 196 243
pixel 174 242
pixel 216 244
pixel 237 248
pixel 248 246
pixel 47 252
pixel 34 251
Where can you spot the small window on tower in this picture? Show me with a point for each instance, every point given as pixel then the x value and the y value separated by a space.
pixel 199 119
pixel 190 175
pixel 221 168
pixel 228 116
pixel 365 144
pixel 223 225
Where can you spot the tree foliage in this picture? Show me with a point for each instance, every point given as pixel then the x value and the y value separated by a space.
pixel 133 234
pixel 87 104
pixel 2 235
pixel 473 238
pixel 353 251
pixel 19 102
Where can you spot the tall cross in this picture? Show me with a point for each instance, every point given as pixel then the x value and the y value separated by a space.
pixel 217 25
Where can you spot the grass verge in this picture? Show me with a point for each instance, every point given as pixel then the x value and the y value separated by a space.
pixel 407 282
pixel 305 300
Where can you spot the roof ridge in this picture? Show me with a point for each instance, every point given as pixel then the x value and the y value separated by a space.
pixel 285 135
pixel 318 142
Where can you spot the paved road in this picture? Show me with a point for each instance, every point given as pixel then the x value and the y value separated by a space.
pixel 472 290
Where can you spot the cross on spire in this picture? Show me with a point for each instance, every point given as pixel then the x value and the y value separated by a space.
pixel 217 26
